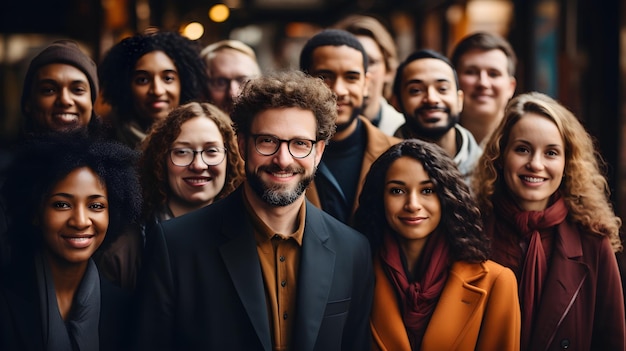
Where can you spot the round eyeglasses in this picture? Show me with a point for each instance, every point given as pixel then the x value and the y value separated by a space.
pixel 211 156
pixel 221 83
pixel 268 145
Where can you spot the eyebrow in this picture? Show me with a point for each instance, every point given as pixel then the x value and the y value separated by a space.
pixel 399 182
pixel 419 81
pixel 72 196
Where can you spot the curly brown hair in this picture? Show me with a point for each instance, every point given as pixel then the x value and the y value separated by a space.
pixel 584 187
pixel 461 221
pixel 156 146
pixel 282 90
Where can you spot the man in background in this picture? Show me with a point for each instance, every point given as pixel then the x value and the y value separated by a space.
pixel 485 63
pixel 382 61
pixel 230 63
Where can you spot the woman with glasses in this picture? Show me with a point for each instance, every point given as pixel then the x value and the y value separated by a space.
pixel 190 159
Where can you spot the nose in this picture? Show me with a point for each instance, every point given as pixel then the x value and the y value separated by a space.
pixel 535 162
pixel 412 203
pixel 79 218
pixel 483 78
pixel 64 98
pixel 282 157
pixel 432 95
pixel 233 88
pixel 339 87
pixel 157 87
pixel 197 163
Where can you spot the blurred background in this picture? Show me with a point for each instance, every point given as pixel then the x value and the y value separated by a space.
pixel 573 50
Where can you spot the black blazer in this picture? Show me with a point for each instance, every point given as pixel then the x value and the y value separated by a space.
pixel 20 313
pixel 201 287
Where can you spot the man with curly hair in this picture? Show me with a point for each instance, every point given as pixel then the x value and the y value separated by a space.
pixel 262 269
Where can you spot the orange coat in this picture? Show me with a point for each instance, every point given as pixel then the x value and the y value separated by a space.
pixel 478 310
pixel 377 143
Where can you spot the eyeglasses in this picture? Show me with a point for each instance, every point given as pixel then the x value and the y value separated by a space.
pixel 268 145
pixel 221 83
pixel 183 157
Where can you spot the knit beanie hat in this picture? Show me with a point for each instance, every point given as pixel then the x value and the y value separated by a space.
pixel 61 51
pixel 329 37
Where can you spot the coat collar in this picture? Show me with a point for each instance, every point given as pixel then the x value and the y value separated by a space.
pixel 388 327
pixel 563 283
pixel 314 277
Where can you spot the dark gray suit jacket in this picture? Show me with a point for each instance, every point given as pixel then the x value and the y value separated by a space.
pixel 201 286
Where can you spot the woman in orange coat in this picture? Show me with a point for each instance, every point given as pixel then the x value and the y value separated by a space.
pixel 435 288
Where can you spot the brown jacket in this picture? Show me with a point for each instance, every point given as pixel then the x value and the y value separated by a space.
pixel 478 310
pixel 377 143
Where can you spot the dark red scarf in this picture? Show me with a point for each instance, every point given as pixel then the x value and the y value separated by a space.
pixel 418 299
pixel 528 225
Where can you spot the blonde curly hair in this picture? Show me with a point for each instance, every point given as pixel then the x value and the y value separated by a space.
pixel 584 187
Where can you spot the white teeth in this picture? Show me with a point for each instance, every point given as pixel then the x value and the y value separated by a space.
pixel 65 116
pixel 533 179
pixel 196 181
pixel 282 175
pixel 82 239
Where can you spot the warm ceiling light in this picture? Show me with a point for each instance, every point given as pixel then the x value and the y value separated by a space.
pixel 193 30
pixel 219 13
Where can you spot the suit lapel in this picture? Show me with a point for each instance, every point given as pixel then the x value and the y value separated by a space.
pixel 564 280
pixel 315 279
pixel 460 299
pixel 242 262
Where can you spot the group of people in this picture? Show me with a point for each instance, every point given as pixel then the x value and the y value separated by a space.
pixel 357 203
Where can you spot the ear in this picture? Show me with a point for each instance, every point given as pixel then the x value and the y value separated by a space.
pixel 393 100
pixel 460 95
pixel 512 86
pixel 320 146
pixel 241 143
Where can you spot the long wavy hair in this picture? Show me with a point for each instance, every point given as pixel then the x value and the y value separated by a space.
pixel 156 146
pixel 584 187
pixel 461 222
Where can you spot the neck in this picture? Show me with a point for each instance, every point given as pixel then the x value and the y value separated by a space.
pixel 412 249
pixel 281 219
pixel 448 142
pixel 180 208
pixel 481 127
pixel 66 278
pixel 372 108
pixel 346 132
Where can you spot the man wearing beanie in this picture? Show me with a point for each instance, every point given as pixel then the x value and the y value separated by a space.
pixel 60 89
pixel 340 60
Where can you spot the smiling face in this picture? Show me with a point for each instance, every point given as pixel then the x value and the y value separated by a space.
pixel 430 98
pixel 60 99
pixel 280 179
pixel 75 218
pixel 155 86
pixel 486 83
pixel 534 161
pixel 341 68
pixel 412 207
pixel 196 185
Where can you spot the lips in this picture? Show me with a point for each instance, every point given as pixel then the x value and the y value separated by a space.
pixel 197 181
pixel 79 241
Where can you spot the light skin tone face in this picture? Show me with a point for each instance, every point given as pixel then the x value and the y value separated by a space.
pixel 74 218
pixel 61 98
pixel 534 161
pixel 228 70
pixel 280 175
pixel 378 75
pixel 155 86
pixel 412 207
pixel 341 68
pixel 196 185
pixel 485 80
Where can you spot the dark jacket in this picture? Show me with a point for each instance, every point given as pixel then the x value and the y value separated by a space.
pixel 201 286
pixel 20 313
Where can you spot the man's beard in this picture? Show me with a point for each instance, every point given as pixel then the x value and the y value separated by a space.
pixel 430 133
pixel 277 195
pixel 355 113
